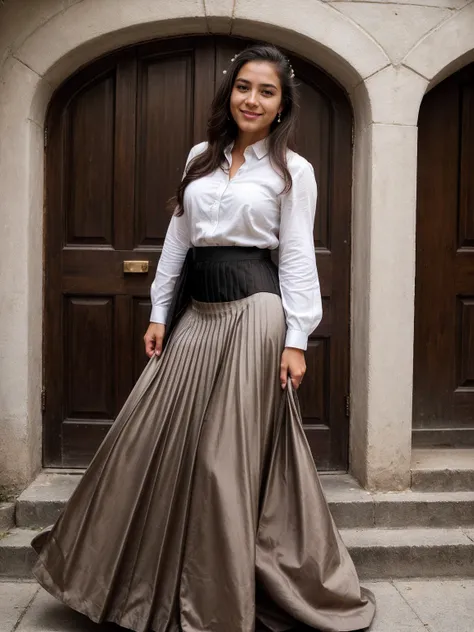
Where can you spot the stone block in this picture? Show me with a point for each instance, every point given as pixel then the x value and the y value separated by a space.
pixel 446 49
pixel 7 516
pixel 441 605
pixel 405 553
pixel 18 88
pixel 350 505
pixel 394 94
pixel 393 614
pixel 447 4
pixel 317 32
pixel 396 27
pixel 443 470
pixel 41 503
pixel 14 600
pixel 219 15
pixel 445 480
pixel 19 19
pixel 419 509
pixel 391 306
pixel 16 555
pixel 90 22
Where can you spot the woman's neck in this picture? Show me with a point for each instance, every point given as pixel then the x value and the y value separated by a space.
pixel 244 140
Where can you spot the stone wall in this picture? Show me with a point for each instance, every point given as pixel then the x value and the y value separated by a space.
pixel 386 55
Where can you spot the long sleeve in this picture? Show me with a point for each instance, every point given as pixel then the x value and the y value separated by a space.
pixel 176 245
pixel 299 282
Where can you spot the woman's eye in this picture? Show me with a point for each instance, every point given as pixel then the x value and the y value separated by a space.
pixel 268 93
pixel 241 87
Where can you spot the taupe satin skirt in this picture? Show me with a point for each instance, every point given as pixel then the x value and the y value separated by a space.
pixel 202 510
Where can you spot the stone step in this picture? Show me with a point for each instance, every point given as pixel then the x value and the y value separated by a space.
pixel 40 504
pixel 442 469
pixel 352 507
pixel 7 516
pixel 377 553
pixel 16 555
pixel 404 553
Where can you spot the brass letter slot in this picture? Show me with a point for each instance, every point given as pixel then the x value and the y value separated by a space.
pixel 135 267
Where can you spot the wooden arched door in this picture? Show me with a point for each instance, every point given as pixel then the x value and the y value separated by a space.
pixel 443 407
pixel 118 135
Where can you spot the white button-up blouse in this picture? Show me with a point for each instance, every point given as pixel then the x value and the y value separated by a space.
pixel 250 210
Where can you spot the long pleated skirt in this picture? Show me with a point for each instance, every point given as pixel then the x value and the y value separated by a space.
pixel 202 510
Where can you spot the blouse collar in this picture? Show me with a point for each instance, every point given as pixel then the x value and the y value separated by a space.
pixel 260 148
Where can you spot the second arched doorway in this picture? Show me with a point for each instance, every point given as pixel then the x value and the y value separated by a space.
pixel 443 410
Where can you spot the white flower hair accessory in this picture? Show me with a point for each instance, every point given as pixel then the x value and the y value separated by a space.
pixel 292 72
pixel 224 72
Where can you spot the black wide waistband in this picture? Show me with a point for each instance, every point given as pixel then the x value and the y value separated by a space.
pixel 230 253
pixel 216 274
pixel 229 273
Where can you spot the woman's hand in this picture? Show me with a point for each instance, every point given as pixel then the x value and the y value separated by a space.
pixel 154 339
pixel 294 365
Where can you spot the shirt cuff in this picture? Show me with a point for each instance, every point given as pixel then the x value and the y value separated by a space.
pixel 158 314
pixel 296 338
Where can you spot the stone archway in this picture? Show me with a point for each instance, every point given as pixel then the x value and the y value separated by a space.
pixel 50 47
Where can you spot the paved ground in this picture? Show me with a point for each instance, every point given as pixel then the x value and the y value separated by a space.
pixel 403 606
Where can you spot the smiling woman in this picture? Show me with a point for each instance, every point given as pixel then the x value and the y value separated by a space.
pixel 220 523
pixel 256 100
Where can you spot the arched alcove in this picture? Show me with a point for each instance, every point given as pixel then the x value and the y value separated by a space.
pixel 118 135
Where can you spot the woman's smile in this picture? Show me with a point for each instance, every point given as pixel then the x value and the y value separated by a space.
pixel 250 115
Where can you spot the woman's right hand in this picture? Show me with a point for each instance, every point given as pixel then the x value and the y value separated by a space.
pixel 154 339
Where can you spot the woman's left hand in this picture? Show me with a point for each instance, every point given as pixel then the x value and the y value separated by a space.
pixel 293 364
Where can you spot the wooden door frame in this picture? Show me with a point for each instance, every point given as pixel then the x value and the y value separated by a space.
pixel 340 195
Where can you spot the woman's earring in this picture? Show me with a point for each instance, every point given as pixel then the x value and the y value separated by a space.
pixel 279 117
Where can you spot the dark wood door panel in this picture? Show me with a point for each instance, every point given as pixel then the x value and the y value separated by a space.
pixel 83 431
pixel 89 354
pixel 316 115
pixel 466 168
pixel 89 157
pixel 165 134
pixel 313 402
pixel 443 407
pixel 119 133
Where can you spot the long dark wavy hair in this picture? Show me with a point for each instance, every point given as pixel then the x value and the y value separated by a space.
pixel 222 129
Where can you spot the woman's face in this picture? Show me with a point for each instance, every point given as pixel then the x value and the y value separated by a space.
pixel 255 100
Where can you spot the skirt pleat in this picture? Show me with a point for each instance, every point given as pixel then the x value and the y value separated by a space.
pixel 202 509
